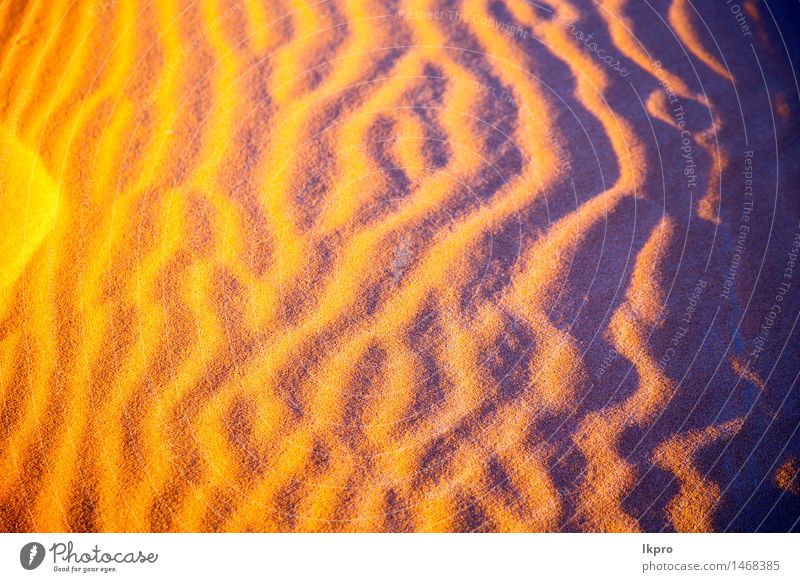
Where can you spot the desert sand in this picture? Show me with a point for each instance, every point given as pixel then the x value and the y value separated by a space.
pixel 399 266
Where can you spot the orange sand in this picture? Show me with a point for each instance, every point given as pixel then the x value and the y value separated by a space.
pixel 364 266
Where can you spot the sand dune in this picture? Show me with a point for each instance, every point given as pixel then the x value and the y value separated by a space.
pixel 398 266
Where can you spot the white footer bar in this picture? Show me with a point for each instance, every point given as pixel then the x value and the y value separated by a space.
pixel 379 557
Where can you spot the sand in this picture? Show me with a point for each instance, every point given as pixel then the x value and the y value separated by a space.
pixel 400 266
